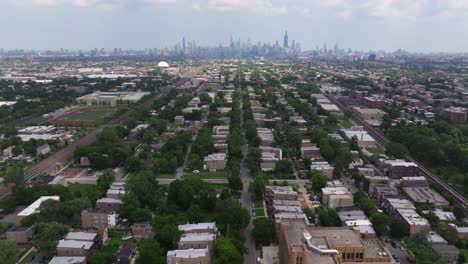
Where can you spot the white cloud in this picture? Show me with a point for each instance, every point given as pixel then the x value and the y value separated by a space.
pixel 344 9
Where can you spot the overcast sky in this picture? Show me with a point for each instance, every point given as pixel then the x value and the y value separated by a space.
pixel 414 25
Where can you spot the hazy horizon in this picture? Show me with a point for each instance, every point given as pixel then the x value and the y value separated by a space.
pixel 416 26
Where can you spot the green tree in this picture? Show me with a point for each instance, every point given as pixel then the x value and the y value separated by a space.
pixel 9 252
pixel 319 181
pixel 134 164
pixel 398 228
pixel 380 222
pixel 396 150
pixel 458 212
pixel 105 180
pixel 15 175
pixel 225 252
pixel 257 187
pixel 234 216
pixel 46 235
pixel 284 166
pixel 448 232
pixel 235 183
pixel 327 216
pixel 263 231
pixel 354 143
pixel 150 252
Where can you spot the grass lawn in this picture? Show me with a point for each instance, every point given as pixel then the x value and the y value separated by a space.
pixel 375 151
pixel 346 123
pixel 259 212
pixel 87 117
pixel 210 175
pixel 90 115
pixel 258 204
pixel 107 253
pixel 28 256
pixel 464 253
pixel 165 176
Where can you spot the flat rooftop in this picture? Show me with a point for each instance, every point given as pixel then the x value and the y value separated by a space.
pixel 188 237
pixel 67 260
pixel 34 207
pixel 83 236
pixel 199 226
pixel 188 253
pixel 75 244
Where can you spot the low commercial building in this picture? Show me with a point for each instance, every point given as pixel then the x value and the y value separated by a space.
pixel 335 197
pixel 199 228
pixel 82 236
pixel 364 139
pixel 310 152
pixel 462 232
pixel 323 167
pixel 189 256
pixel 197 241
pixel 448 252
pixel 74 248
pixel 397 169
pixel 110 98
pixel 98 219
pixel 43 149
pixel 300 243
pixel 141 230
pixel 109 204
pixel 383 191
pixel 426 195
pixel 455 114
pixel 365 227
pixel 265 135
pixel 268 161
pixel 405 210
pixel 373 102
pixel 280 193
pixel 68 260
pixel 370 115
pixel 34 208
pixel 20 234
pixel 215 162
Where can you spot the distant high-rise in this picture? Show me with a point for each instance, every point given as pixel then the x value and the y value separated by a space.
pixel 183 44
pixel 286 40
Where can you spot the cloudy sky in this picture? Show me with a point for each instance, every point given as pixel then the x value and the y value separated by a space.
pixel 414 25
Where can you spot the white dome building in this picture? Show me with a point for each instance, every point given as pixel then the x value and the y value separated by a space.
pixel 163 64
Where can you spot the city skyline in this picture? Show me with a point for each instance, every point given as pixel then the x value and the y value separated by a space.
pixel 422 26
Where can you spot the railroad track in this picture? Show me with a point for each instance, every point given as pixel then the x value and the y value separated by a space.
pixel 382 141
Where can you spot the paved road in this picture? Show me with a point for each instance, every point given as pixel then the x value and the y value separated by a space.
pixel 250 257
pixel 215 181
pixel 246 201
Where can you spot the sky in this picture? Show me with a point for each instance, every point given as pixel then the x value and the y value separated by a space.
pixel 413 25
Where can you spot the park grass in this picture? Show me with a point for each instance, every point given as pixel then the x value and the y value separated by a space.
pixel 166 176
pixel 209 175
pixel 90 115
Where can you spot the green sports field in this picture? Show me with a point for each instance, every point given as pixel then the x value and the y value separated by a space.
pixel 87 116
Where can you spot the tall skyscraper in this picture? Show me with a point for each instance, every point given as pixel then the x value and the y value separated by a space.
pixel 183 44
pixel 286 40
